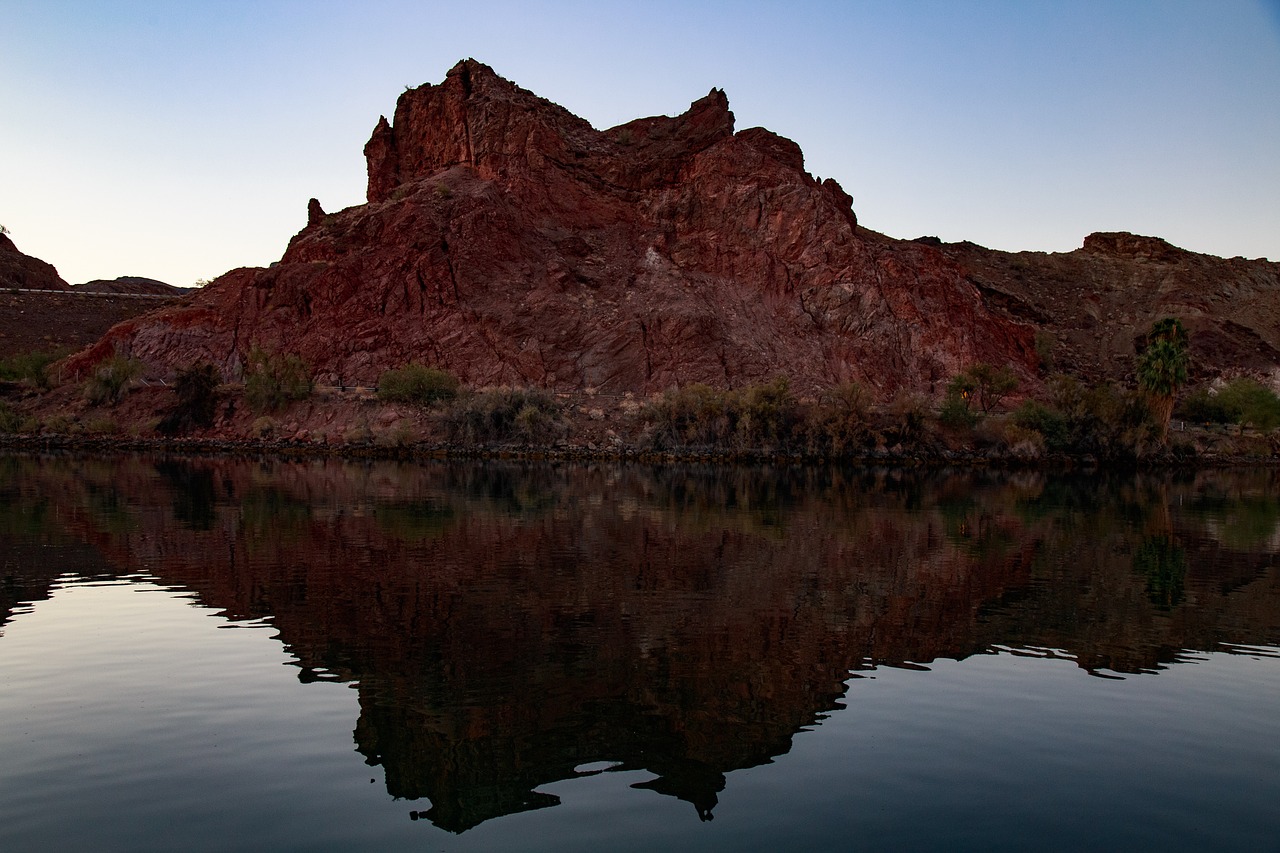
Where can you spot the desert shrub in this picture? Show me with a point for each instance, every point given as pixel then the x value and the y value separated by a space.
pixel 1202 406
pixel 908 412
pixel 197 390
pixel 100 425
pixel 840 421
pixel 264 427
pixel 417 384
pixel 1250 403
pixel 30 367
pixel 765 414
pixel 696 415
pixel 1023 443
pixel 1102 420
pixel 59 425
pixel 1045 343
pixel 503 415
pixel 955 414
pixel 111 380
pixel 275 379
pixel 758 416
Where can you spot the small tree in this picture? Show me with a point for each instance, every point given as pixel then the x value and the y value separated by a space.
pixel 1162 369
pixel 992 384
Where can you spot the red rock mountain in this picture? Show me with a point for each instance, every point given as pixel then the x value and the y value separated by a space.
pixel 508 241
pixel 24 272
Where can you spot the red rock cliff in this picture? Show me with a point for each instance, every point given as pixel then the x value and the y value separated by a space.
pixel 508 241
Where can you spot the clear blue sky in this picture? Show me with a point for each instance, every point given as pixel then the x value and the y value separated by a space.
pixel 178 140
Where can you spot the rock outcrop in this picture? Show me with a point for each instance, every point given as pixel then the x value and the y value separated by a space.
pixel 23 272
pixel 508 241
pixel 1097 302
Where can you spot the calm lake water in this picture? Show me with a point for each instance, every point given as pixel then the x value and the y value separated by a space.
pixel 217 654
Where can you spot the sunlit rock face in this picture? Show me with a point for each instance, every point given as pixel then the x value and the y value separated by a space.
pixel 508 241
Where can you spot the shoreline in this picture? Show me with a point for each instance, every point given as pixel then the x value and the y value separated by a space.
pixel 918 458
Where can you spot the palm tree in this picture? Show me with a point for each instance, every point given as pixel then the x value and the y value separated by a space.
pixel 1162 369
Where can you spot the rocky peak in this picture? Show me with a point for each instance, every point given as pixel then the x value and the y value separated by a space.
pixel 24 272
pixel 1122 244
pixel 510 242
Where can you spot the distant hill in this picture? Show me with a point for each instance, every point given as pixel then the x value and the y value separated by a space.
pixel 131 284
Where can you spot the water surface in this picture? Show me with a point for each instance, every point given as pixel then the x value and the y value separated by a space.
pixel 230 654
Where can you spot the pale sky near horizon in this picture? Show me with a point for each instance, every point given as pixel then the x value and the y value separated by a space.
pixel 178 140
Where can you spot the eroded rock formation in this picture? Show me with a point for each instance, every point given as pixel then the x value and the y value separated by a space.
pixel 508 241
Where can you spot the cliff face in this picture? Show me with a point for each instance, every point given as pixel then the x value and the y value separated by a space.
pixel 508 241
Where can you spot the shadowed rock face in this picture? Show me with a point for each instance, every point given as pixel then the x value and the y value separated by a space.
pixel 1097 302
pixel 508 241
pixel 25 272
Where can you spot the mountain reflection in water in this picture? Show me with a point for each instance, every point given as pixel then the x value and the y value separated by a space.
pixel 508 626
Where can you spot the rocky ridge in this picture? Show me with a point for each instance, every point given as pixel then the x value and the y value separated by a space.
pixel 509 242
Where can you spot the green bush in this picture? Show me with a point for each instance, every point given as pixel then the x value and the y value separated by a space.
pixel 503 416
pixel 1241 401
pixel 111 380
pixel 274 380
pixel 1205 407
pixel 417 384
pixel 1101 420
pixel 30 367
pixel 955 414
pixel 1251 403
pixel 1049 423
